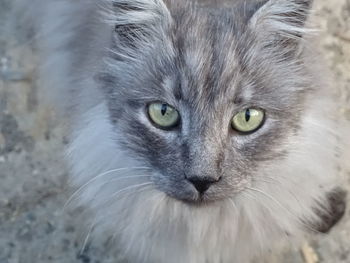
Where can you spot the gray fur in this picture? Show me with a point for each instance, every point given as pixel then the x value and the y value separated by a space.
pixel 210 60
pixel 107 60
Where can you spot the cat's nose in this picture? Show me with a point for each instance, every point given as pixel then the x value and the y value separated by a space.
pixel 202 184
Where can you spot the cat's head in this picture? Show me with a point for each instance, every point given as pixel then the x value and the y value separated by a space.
pixel 206 96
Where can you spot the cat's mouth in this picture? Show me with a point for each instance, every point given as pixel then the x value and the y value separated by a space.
pixel 204 199
pixel 197 198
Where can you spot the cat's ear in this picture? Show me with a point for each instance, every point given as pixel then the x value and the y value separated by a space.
pixel 283 19
pixel 137 21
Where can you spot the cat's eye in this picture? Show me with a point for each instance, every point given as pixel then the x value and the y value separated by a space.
pixel 248 121
pixel 163 115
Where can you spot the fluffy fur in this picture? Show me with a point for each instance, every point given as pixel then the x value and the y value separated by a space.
pixel 105 60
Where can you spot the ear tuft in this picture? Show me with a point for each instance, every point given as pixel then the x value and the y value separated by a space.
pixel 145 13
pixel 286 18
pixel 135 19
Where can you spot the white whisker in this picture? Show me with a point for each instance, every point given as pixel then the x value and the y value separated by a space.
pixel 79 190
pixel 252 196
pixel 86 240
pixel 296 217
pixel 121 191
pixel 129 188
pixel 119 179
pixel 273 180
pixel 234 207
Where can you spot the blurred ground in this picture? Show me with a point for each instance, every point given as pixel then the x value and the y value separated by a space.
pixel 33 227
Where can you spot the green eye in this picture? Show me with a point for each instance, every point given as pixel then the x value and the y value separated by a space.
pixel 163 115
pixel 248 120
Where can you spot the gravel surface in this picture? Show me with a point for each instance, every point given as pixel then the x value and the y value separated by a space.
pixel 34 227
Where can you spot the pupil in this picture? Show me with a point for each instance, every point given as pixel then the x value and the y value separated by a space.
pixel 164 109
pixel 247 115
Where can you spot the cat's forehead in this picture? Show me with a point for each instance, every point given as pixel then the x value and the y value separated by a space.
pixel 222 61
pixel 208 55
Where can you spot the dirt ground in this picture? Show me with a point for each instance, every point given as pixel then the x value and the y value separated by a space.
pixel 33 177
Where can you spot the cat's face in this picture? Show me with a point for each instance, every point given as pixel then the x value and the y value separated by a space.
pixel 203 97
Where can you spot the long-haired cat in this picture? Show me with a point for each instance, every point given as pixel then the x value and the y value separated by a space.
pixel 200 132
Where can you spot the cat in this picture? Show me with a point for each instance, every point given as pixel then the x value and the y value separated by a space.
pixel 200 132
